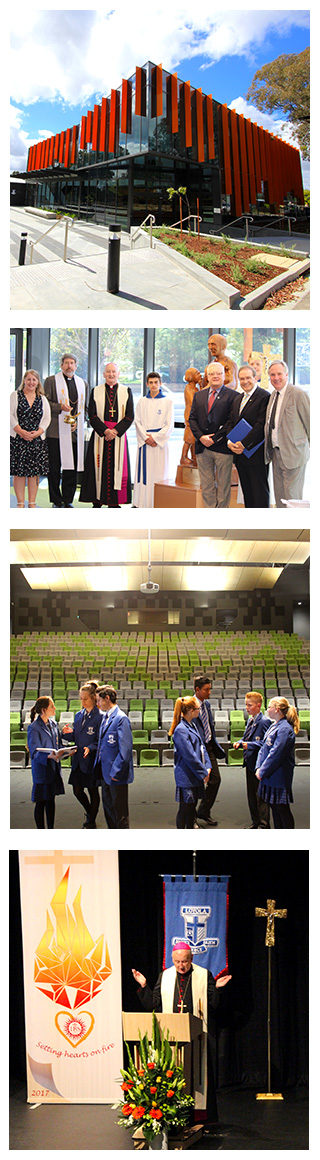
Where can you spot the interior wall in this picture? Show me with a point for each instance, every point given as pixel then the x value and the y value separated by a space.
pixel 101 611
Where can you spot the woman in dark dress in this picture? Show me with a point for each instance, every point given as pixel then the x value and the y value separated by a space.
pixel 43 733
pixel 29 418
pixel 85 734
pixel 107 476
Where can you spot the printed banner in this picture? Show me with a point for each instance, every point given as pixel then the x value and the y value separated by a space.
pixel 72 975
pixel 197 913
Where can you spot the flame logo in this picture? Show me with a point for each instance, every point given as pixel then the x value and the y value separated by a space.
pixel 70 967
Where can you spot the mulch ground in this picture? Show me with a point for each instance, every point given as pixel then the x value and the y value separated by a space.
pixel 225 259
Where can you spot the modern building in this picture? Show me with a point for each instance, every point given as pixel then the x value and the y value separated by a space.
pixel 154 133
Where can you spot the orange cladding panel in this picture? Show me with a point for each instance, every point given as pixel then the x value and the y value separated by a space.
pixel 159 101
pixel 252 180
pixel 74 144
pixel 138 92
pixel 187 114
pixel 174 103
pixel 264 171
pixel 61 149
pixel 95 127
pixel 83 132
pixel 67 148
pixel 200 136
pixel 210 127
pixel 112 130
pixel 89 127
pixel 103 125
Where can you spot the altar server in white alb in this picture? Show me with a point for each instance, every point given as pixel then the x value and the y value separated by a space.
pixel 154 424
pixel 66 394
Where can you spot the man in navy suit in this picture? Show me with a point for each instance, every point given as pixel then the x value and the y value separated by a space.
pixel 250 405
pixel 114 758
pixel 208 419
pixel 255 730
pixel 204 725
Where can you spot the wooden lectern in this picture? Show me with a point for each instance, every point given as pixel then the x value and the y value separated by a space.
pixel 185 1030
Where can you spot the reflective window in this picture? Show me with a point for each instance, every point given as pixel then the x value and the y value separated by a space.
pixel 175 351
pixel 69 341
pixel 302 375
pixel 124 346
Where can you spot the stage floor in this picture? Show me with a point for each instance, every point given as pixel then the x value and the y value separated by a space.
pixel 244 1124
pixel 151 800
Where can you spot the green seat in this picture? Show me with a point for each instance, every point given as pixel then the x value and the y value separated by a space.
pixel 139 738
pixel 236 732
pixel 18 740
pixel 149 757
pixel 14 722
pixel 73 706
pixel 136 706
pixel 235 756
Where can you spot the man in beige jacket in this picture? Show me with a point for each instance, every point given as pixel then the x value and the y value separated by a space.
pixel 287 434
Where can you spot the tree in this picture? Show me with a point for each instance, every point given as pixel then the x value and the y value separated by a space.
pixel 284 84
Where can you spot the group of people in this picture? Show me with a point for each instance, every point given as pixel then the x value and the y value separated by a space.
pixel 241 424
pixel 47 438
pixel 102 755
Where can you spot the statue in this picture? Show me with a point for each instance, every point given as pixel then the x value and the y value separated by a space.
pixel 217 348
pixel 193 380
pixel 259 363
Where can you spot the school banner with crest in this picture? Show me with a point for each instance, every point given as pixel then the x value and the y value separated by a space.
pixel 72 975
pixel 196 911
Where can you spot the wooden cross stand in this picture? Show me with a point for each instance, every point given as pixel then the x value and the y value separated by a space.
pixel 270 914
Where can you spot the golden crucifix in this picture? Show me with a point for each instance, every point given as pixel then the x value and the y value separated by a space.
pixel 270 914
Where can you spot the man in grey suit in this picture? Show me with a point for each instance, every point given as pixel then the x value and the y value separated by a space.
pixel 287 434
pixel 67 393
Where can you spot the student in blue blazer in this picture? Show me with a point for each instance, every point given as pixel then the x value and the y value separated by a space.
pixel 250 742
pixel 191 761
pixel 46 777
pixel 85 734
pixel 204 724
pixel 114 761
pixel 275 762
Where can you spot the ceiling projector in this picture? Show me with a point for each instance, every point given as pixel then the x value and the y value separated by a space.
pixel 149 588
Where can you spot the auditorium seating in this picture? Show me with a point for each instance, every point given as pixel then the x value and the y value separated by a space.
pixel 150 670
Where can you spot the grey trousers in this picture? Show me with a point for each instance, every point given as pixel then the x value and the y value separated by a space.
pixel 215 477
pixel 288 482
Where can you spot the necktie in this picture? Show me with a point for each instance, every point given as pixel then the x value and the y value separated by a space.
pixel 272 420
pixel 242 404
pixel 211 399
pixel 204 717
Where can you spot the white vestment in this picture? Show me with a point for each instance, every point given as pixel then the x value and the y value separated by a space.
pixel 154 417
pixel 199 986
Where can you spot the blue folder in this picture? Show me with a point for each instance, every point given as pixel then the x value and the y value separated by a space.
pixel 238 433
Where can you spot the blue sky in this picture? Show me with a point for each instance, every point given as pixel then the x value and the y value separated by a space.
pixel 65 60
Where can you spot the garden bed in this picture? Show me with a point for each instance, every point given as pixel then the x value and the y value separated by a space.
pixel 237 264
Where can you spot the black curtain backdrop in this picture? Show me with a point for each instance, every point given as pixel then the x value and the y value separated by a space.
pixel 241 1024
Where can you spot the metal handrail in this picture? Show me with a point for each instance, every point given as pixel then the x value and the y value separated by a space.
pixel 277 218
pixel 65 219
pixel 196 218
pixel 244 217
pixel 152 223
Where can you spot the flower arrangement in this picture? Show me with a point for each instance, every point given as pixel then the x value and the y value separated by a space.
pixel 154 1093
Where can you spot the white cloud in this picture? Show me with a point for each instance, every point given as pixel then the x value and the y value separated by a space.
pixel 71 55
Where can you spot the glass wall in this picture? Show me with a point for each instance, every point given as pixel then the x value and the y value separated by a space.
pixel 302 376
pixel 69 341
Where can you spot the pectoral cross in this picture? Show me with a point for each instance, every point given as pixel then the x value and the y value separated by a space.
pixel 181 1007
pixel 270 914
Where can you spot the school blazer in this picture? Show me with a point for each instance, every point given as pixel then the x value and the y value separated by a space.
pixel 215 423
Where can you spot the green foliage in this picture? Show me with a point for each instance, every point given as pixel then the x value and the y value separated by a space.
pixel 254 266
pixel 154 1093
pixel 284 84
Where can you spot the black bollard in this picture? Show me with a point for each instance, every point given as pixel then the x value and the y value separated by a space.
pixel 113 258
pixel 23 247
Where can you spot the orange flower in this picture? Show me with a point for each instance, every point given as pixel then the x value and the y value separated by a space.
pixel 127 1109
pixel 169 1074
pixel 156 1114
pixel 141 1071
pixel 153 1089
pixel 126 1086
pixel 151 1066
pixel 138 1113
pixel 170 1093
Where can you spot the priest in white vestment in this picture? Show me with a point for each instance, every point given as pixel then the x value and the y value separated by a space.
pixel 154 424
pixel 185 987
